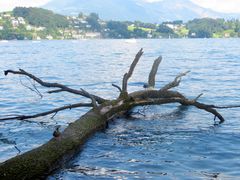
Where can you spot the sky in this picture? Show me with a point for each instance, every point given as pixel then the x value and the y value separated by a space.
pixel 227 6
pixel 6 5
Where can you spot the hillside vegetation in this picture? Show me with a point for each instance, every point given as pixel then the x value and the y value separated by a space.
pixel 41 17
pixel 38 23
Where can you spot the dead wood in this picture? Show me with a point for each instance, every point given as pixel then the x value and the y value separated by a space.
pixel 175 82
pixel 153 72
pixel 53 111
pixel 130 71
pixel 54 85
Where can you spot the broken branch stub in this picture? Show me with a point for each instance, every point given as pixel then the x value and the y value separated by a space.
pixel 116 86
pixel 153 72
pixel 131 69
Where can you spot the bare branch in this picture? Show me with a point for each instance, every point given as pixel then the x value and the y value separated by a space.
pixel 225 107
pixel 34 89
pixel 131 69
pixel 116 86
pixel 175 82
pixel 183 101
pixel 152 74
pixel 198 97
pixel 94 103
pixel 54 85
pixel 208 109
pixel 23 117
pixel 55 91
pixel 217 107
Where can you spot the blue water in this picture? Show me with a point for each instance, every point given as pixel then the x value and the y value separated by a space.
pixel 169 142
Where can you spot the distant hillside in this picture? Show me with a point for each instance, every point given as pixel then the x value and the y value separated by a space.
pixel 38 23
pixel 41 17
pixel 166 10
pixel 107 9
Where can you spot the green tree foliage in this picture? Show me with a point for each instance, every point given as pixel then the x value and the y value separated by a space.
pixel 177 22
pixel 164 29
pixel 204 28
pixel 166 32
pixel 118 29
pixel 139 33
pixel 93 21
pixel 143 25
pixel 11 34
pixel 60 27
pixel 80 15
pixel 41 17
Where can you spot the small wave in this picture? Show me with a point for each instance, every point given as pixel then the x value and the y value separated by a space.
pixel 99 171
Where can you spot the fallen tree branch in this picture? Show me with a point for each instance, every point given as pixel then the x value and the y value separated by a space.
pixel 54 85
pixel 23 117
pixel 39 162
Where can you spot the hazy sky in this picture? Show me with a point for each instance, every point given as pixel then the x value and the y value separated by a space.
pixel 6 5
pixel 228 6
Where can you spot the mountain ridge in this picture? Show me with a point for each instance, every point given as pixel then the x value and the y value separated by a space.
pixel 124 10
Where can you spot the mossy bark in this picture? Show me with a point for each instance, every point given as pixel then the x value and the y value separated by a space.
pixel 39 162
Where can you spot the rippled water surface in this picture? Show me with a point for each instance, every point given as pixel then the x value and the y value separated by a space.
pixel 169 142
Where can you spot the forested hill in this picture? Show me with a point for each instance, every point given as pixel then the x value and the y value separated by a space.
pixel 41 17
pixel 38 23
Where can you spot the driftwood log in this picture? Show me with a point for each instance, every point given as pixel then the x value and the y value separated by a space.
pixel 40 162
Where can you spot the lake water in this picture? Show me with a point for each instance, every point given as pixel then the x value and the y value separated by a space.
pixel 169 142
